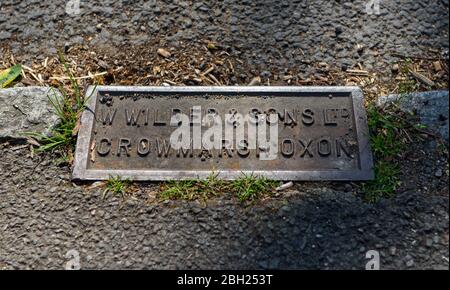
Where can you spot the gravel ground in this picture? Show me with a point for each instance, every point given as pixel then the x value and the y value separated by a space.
pixel 313 226
pixel 266 33
pixel 320 225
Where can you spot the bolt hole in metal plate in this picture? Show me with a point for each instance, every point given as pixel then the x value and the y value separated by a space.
pixel 125 131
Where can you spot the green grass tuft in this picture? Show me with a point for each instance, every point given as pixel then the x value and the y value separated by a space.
pixel 191 189
pixel 385 183
pixel 407 87
pixel 389 137
pixel 245 188
pixel 68 108
pixel 250 187
pixel 117 186
pixel 385 128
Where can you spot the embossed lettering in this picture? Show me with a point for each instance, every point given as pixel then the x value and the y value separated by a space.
pixel 306 149
pixel 287 147
pixel 289 119
pixel 340 145
pixel 307 117
pixel 108 117
pixel 242 148
pixel 132 117
pixel 157 121
pixel 143 147
pixel 163 148
pixel 124 145
pixel 324 147
pixel 329 117
pixel 104 147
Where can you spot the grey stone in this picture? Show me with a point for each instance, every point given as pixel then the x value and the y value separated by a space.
pixel 431 107
pixel 393 250
pixel 4 35
pixel 410 263
pixel 27 109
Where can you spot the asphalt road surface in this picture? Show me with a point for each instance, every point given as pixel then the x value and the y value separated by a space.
pixel 43 215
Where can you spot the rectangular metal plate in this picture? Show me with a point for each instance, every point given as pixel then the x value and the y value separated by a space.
pixel 322 133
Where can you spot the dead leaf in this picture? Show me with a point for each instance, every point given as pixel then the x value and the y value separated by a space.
pixel 422 78
pixel 76 128
pixel 255 81
pixel 164 53
pixel 437 66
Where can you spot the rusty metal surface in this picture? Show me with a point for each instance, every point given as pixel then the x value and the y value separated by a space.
pixel 323 133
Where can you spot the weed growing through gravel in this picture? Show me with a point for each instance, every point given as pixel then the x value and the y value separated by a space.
pixel 117 186
pixel 191 189
pixel 249 187
pixel 408 85
pixel 245 188
pixel 69 109
pixel 390 132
